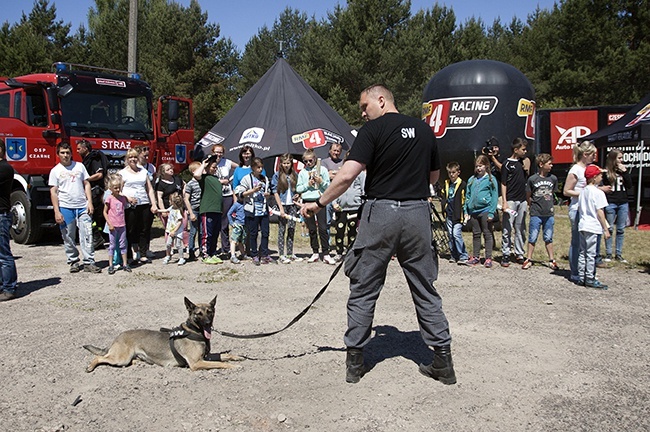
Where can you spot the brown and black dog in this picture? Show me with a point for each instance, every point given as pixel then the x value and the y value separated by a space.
pixel 186 345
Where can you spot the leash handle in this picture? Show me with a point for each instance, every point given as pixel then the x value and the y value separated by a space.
pixel 293 321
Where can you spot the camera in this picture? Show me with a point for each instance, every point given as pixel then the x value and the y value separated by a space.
pixel 210 159
pixel 491 147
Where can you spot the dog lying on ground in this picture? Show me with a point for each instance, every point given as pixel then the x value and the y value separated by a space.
pixel 185 346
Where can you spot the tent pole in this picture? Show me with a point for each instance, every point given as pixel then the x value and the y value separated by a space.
pixel 638 192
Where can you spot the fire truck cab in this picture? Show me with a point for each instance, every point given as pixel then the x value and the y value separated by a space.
pixel 113 110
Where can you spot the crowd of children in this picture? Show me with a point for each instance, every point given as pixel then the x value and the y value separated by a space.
pixel 195 210
pixel 595 207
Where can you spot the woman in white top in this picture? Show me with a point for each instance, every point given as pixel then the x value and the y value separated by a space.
pixel 225 167
pixel 138 190
pixel 583 154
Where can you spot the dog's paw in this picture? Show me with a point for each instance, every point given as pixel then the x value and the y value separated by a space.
pixel 231 357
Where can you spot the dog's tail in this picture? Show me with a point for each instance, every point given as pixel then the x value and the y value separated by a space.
pixel 97 351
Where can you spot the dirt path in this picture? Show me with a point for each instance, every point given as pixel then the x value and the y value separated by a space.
pixel 532 352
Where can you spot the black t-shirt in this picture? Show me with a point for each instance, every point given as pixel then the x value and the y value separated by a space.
pixel 399 153
pixel 514 177
pixel 93 166
pixel 6 178
pixel 169 188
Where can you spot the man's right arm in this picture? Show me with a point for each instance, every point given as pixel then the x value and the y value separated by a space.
pixel 54 197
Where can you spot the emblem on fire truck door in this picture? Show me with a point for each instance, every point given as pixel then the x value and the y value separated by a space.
pixel 16 149
pixel 181 153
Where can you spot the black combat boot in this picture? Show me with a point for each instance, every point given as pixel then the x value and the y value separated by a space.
pixel 355 368
pixel 442 368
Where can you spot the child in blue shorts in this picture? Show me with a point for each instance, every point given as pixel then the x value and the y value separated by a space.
pixel 540 190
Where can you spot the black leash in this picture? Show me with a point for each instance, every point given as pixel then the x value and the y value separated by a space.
pixel 293 321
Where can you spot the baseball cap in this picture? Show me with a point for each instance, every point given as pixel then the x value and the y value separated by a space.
pixel 592 171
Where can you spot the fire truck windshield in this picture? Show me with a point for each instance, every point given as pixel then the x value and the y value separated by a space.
pixel 115 115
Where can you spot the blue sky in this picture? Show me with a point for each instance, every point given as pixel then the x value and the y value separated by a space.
pixel 241 19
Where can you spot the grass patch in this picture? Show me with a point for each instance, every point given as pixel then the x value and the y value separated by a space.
pixel 635 248
pixel 155 276
pixel 219 275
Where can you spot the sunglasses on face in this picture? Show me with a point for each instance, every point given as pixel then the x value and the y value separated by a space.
pixel 309 161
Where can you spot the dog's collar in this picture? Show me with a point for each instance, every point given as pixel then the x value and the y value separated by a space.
pixel 183 331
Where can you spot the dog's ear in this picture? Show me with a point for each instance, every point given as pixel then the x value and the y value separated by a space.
pixel 189 305
pixel 213 302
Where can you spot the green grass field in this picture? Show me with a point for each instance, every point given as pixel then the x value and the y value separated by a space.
pixel 635 246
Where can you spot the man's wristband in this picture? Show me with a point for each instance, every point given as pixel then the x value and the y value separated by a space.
pixel 318 203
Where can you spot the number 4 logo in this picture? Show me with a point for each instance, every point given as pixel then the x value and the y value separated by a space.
pixel 316 139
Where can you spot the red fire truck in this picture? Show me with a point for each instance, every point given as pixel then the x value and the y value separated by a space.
pixel 113 110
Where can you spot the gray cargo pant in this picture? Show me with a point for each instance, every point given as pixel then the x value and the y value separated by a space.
pixel 388 228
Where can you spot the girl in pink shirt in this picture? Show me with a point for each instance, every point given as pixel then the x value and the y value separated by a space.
pixel 114 214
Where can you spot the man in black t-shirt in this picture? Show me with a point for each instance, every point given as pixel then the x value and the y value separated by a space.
pixel 515 206
pixel 7 263
pixel 93 164
pixel 400 156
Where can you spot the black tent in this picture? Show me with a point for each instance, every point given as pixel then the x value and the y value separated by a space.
pixel 634 126
pixel 280 114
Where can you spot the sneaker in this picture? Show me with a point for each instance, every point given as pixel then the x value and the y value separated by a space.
pixel 452 261
pixel 165 260
pixel 608 258
pixel 527 264
pixel 338 258
pixel 92 268
pixel 505 262
pixel 520 259
pixel 256 261
pixel 234 259
pixel 111 270
pixel 216 260
pixel 74 267
pixel 329 260
pixel 595 284
pixel 295 258
pixel 150 255
pixel 6 296
pixel 462 261
pixel 285 260
pixel 553 265
pixel 621 259
pixel 145 260
pixel 473 261
pixel 488 263
pixel 314 258
pixel 265 260
pixel 127 269
pixel 182 261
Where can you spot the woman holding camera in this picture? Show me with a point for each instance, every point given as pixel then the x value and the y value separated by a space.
pixel 618 207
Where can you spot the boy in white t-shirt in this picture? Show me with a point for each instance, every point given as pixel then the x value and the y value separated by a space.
pixel 591 204
pixel 72 203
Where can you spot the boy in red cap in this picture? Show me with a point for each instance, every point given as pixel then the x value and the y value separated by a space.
pixel 591 204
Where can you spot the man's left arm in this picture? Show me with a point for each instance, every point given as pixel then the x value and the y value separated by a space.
pixel 434 176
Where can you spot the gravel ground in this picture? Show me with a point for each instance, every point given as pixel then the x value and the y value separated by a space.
pixel 532 351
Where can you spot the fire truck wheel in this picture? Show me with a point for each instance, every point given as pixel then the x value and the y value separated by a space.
pixel 26 226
